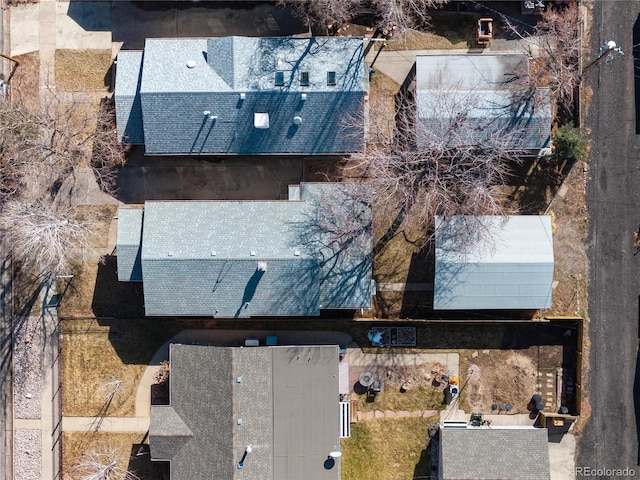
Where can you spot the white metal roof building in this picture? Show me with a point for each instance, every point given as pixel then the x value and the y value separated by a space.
pixel 493 263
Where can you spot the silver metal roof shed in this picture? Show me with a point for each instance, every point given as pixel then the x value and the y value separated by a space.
pixel 493 262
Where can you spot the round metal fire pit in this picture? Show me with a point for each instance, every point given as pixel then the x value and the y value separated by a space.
pixel 367 378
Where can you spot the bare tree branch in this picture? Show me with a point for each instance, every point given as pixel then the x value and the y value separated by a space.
pixel 556 47
pixel 391 15
pixel 45 237
pixel 39 150
pixel 105 465
pixel 452 163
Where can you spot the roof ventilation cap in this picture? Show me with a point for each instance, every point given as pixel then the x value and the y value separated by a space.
pixel 243 96
pixel 261 120
pixel 262 266
pixel 297 120
pixel 303 96
pixel 191 63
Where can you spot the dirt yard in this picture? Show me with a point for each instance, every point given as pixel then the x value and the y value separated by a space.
pixel 501 377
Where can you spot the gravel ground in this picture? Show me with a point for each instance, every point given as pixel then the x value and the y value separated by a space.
pixel 27 455
pixel 27 368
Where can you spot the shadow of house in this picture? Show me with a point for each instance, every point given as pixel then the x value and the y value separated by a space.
pixel 134 22
pixel 91 16
pixel 140 464
pixel 112 298
pixel 249 259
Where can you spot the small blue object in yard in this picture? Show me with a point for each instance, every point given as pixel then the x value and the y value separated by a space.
pixel 392 336
pixel 272 340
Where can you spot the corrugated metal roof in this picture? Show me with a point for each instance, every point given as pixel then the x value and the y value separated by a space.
pixel 175 94
pixel 493 262
pixel 287 401
pixel 475 94
pixel 494 454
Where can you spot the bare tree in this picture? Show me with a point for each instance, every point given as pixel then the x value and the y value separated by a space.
pixel 391 15
pixel 555 44
pixel 106 465
pixel 447 156
pixel 44 235
pixel 401 15
pixel 324 12
pixel 39 150
pixel 108 155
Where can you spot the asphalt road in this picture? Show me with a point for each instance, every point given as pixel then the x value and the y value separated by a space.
pixel 610 439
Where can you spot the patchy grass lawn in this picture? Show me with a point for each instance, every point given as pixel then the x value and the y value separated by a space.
pixel 122 447
pixel 387 449
pixel 83 70
pixel 447 31
pixel 95 353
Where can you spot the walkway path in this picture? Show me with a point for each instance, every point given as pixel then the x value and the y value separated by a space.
pixel 45 429
pixel 375 414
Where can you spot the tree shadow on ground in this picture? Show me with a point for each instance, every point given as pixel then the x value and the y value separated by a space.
pixel 454 27
pixel 535 183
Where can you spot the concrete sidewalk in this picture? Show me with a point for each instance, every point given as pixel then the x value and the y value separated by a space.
pixel 106 424
pixel 48 425
pixel 397 64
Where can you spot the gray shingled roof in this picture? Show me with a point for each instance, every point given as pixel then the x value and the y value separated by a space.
pixel 475 92
pixel 494 454
pixel 248 258
pixel 493 262
pixel 127 96
pixel 128 240
pixel 287 400
pixel 174 97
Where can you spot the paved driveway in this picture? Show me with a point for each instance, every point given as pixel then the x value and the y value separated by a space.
pixel 235 178
pixel 132 22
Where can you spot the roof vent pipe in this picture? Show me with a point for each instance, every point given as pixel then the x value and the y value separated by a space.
pixel 262 266
pixel 297 120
